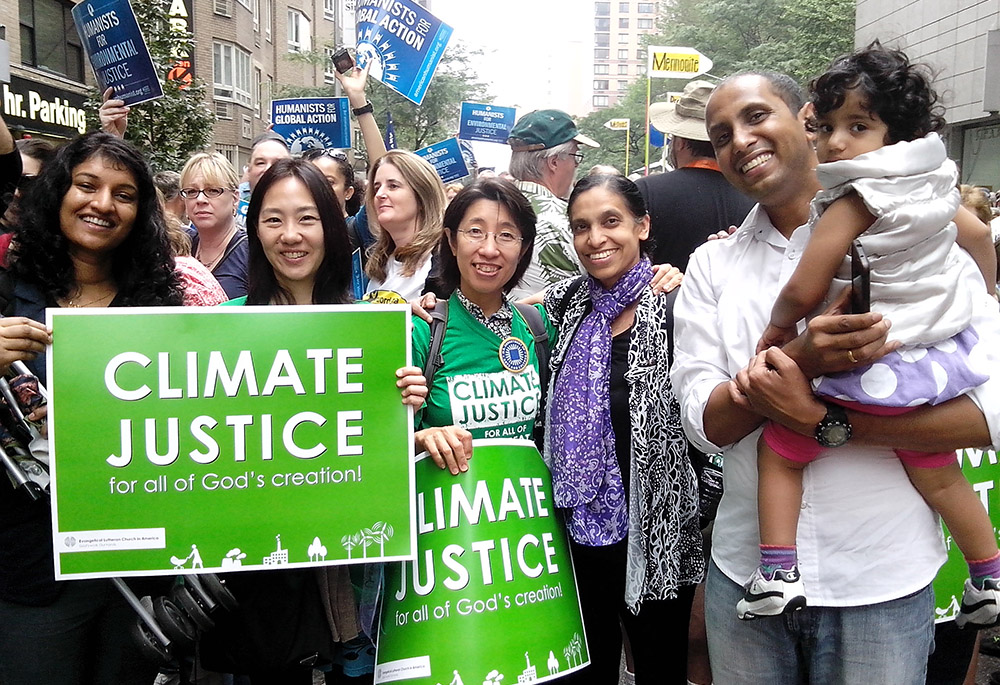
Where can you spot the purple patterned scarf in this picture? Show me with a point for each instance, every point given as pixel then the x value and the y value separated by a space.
pixel 586 478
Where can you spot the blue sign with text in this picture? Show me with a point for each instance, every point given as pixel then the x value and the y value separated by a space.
pixel 486 123
pixel 114 45
pixel 404 43
pixel 447 160
pixel 311 123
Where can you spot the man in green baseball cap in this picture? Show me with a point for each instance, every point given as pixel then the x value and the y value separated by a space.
pixel 545 147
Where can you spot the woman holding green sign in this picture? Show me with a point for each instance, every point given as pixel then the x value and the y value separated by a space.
pixel 90 234
pixel 488 342
pixel 288 621
pixel 614 442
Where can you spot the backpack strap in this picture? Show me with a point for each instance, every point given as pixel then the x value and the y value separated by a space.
pixel 533 318
pixel 567 296
pixel 671 298
pixel 439 322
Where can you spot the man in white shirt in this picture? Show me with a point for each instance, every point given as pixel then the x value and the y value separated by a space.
pixel 868 544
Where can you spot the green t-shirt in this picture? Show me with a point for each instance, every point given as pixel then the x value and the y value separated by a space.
pixel 471 388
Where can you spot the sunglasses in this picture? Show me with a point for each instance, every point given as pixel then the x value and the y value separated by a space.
pixel 316 153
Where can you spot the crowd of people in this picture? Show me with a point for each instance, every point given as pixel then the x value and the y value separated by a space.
pixel 634 371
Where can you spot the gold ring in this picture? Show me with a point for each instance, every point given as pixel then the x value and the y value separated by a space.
pixel 850 355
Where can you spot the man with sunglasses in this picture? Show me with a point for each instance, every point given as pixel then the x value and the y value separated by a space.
pixel 545 154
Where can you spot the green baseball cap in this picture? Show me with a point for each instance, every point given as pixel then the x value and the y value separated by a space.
pixel 545 128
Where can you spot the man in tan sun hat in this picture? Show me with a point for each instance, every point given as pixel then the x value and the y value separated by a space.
pixel 693 201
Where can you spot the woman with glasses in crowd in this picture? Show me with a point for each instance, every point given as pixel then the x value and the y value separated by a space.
pixel 488 239
pixel 90 234
pixel 208 186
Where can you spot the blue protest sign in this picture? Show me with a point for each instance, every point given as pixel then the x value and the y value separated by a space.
pixel 308 123
pixel 446 158
pixel 404 43
pixel 486 123
pixel 116 50
pixel 656 137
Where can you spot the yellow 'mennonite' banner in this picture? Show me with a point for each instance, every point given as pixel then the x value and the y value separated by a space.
pixel 676 62
pixel 617 124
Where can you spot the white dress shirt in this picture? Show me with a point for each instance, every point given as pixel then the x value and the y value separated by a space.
pixel 864 535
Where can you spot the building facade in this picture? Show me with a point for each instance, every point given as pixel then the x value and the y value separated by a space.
pixel 960 41
pixel 246 51
pixel 619 53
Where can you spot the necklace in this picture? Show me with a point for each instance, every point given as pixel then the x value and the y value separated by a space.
pixel 212 263
pixel 107 294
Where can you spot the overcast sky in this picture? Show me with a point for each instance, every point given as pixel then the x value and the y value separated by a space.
pixel 517 37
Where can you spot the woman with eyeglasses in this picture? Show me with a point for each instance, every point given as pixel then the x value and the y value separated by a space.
pixel 208 186
pixel 487 243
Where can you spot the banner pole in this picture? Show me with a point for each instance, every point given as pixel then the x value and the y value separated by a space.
pixel 649 86
pixel 628 138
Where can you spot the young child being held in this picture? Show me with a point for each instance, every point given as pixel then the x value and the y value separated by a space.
pixel 887 182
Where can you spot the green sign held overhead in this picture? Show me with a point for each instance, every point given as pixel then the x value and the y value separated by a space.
pixel 492 572
pixel 221 439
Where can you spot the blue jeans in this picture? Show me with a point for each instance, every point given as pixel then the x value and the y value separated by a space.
pixel 885 643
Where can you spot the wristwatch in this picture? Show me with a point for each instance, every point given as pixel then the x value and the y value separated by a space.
pixel 367 108
pixel 834 430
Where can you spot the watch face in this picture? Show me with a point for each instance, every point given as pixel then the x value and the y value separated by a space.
pixel 836 434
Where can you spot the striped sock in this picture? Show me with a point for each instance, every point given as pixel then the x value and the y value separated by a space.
pixel 774 557
pixel 982 569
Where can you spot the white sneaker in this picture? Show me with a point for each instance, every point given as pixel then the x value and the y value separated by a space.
pixel 980 608
pixel 781 593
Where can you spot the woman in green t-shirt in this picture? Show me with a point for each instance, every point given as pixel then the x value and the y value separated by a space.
pixel 487 384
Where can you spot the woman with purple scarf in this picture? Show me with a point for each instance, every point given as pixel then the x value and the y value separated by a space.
pixel 630 496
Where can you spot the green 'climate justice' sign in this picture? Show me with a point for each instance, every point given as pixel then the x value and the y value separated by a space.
pixel 224 439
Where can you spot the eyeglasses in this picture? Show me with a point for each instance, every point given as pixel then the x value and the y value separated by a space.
pixel 316 153
pixel 193 193
pixel 478 235
pixel 577 156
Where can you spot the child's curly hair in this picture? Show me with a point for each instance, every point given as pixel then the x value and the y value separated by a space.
pixel 897 91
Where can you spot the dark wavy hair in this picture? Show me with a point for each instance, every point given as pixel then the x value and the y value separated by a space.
pixel 333 278
pixel 783 85
pixel 623 188
pixel 142 266
pixel 897 91
pixel 505 194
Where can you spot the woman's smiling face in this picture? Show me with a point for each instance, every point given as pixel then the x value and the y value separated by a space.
pixel 606 235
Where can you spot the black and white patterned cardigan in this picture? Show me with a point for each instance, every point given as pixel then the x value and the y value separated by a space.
pixel 665 544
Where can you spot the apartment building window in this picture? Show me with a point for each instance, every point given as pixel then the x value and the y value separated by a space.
pixel 602 23
pixel 623 54
pixel 645 23
pixel 601 53
pixel 623 39
pixel 600 101
pixel 267 19
pixel 623 22
pixel 623 8
pixel 623 70
pixel 245 3
pixel 646 8
pixel 230 152
pixel 329 72
pixel 601 69
pixel 298 32
pixel 223 7
pixel 232 73
pixel 602 9
pixel 640 53
pixel 49 39
pixel 256 16
pixel 330 10
pixel 622 85
pixel 600 84
pixel 257 84
pixel 602 40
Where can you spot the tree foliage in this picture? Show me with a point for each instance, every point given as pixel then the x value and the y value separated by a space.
pixel 170 128
pixel 797 37
pixel 437 117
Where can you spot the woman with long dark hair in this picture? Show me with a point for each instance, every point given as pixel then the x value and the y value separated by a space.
pixel 90 234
